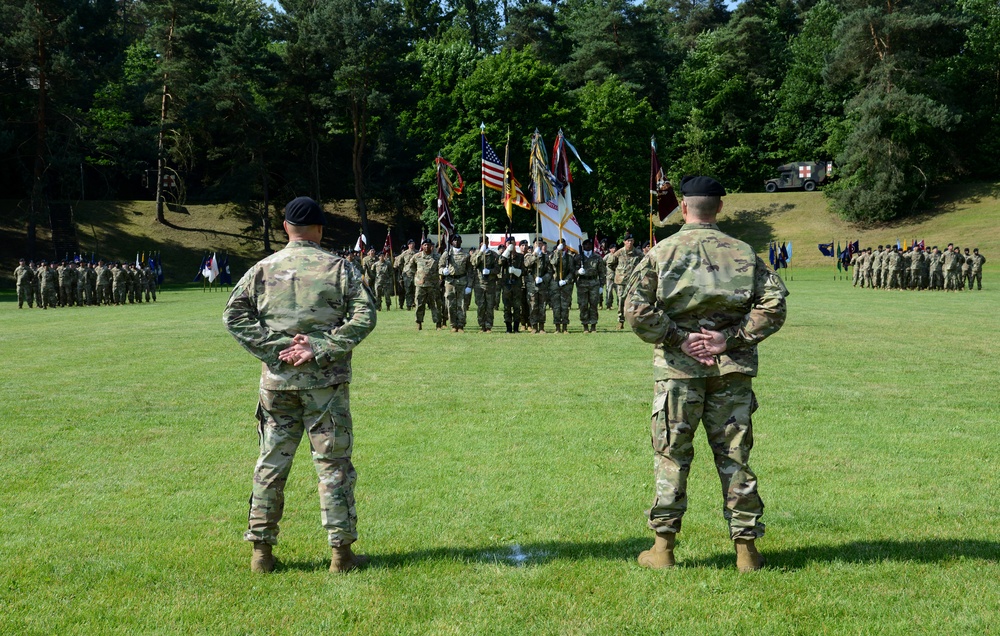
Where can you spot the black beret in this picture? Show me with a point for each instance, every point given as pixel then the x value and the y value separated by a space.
pixel 411 242
pixel 303 211
pixel 539 240
pixel 510 239
pixel 523 242
pixel 455 239
pixel 628 237
pixel 702 187
pixel 426 241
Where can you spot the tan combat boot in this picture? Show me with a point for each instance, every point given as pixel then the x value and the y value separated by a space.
pixel 661 555
pixel 344 560
pixel 747 557
pixel 262 560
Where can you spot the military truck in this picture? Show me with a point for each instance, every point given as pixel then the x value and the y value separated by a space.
pixel 803 174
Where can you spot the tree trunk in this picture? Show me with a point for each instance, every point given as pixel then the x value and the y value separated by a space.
pixel 266 215
pixel 39 199
pixel 358 115
pixel 163 118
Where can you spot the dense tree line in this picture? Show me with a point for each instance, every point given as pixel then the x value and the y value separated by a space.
pixel 242 101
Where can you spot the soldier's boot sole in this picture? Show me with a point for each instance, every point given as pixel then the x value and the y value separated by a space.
pixel 262 560
pixel 748 559
pixel 661 555
pixel 344 560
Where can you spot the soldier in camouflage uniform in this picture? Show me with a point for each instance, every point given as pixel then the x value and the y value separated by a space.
pixel 36 283
pixel 856 269
pixel 454 268
pixel 966 277
pixel 561 289
pixel 537 280
pixel 486 262
pixel 408 293
pixel 590 278
pixel 302 311
pixel 609 283
pixel 704 300
pixel 423 269
pixel 894 266
pixel 24 276
pixel 976 269
pixel 50 286
pixel 935 264
pixel 916 267
pixel 868 268
pixel 952 268
pixel 67 291
pixel 383 281
pixel 623 263
pixel 82 286
pixel 104 296
pixel 512 285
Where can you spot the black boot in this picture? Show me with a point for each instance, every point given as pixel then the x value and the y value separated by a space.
pixel 509 328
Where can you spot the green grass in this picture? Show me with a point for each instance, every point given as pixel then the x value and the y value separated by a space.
pixel 129 443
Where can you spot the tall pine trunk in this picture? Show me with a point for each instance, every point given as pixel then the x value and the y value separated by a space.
pixel 163 118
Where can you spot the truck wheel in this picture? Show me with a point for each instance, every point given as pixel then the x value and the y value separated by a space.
pixel 809 186
pixel 770 187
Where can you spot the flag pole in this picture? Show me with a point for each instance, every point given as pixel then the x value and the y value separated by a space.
pixel 482 182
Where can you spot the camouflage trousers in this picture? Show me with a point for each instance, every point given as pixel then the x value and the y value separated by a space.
pixel 408 293
pixel 977 278
pixel 536 307
pixel 724 405
pixel 454 298
pixel 609 293
pixel 83 294
pixel 916 280
pixel 511 303
pixel 25 295
pixel 620 290
pixel 589 298
pixel 486 295
pixel 50 296
pixel 937 280
pixel 560 299
pixel 36 291
pixel 284 416
pixel 383 290
pixel 427 297
pixel 150 291
pixel 104 295
pixel 856 277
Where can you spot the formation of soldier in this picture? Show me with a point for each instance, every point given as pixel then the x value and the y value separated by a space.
pixel 79 284
pixel 521 281
pixel 890 267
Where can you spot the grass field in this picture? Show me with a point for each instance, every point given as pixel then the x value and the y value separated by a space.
pixel 502 479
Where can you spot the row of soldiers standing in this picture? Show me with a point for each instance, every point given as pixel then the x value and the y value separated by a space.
pixel 73 284
pixel 526 281
pixel 916 268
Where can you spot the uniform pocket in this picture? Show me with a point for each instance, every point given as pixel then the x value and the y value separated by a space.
pixel 659 428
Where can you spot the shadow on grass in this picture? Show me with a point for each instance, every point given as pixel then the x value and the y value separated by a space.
pixel 855 552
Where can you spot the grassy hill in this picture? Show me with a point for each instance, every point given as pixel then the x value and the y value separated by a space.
pixel 967 214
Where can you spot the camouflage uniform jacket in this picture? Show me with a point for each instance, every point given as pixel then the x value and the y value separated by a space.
pixel 935 262
pixel 50 278
pixel 893 262
pixel 562 265
pixel 383 273
pixel 457 262
pixel 515 260
pixel 916 261
pixel 623 263
pixel 424 269
pixel 977 262
pixel 537 266
pixel 403 261
pixel 23 275
pixel 487 260
pixel 594 269
pixel 700 277
pixel 301 289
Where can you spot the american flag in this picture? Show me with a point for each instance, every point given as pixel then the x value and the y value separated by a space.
pixel 492 166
